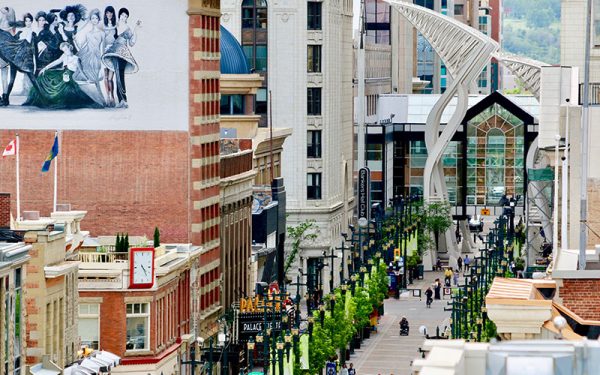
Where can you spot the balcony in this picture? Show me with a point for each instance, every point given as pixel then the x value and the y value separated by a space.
pixel 594 93
pixel 103 257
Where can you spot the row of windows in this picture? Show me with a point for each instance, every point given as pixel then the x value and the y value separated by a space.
pixel 254 15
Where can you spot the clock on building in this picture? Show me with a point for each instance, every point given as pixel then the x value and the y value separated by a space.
pixel 141 267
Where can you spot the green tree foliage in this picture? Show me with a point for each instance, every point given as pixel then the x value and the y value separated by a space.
pixel 363 308
pixel 156 237
pixel 306 230
pixel 321 347
pixel 437 219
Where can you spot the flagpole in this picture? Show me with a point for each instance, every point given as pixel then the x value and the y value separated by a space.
pixel 18 145
pixel 55 176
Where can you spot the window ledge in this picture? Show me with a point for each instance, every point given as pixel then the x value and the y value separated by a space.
pixel 137 352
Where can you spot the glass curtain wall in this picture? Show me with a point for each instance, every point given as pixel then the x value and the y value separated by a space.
pixel 495 156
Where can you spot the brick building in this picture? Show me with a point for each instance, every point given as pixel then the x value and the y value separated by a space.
pixel 153 164
pixel 142 326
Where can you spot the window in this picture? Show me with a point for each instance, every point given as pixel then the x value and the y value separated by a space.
pixel 314 15
pixel 314 59
pixel 138 326
pixel 254 14
pixel 89 325
pixel 18 320
pixel 313 186
pixel 256 56
pixel 459 9
pixel 232 104
pixel 377 21
pixel 314 101
pixel 261 102
pixel 314 144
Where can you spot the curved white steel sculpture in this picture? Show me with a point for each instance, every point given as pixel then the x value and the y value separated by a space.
pixel 465 52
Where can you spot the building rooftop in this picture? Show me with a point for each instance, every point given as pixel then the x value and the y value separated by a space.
pixel 414 108
pixel 233 59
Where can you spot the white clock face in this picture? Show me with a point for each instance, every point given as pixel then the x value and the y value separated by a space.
pixel 142 267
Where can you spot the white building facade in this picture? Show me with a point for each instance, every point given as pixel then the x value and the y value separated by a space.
pixel 309 75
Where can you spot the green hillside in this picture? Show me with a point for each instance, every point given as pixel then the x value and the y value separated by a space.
pixel 532 29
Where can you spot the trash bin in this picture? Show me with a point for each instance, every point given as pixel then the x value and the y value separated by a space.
pixel 421 270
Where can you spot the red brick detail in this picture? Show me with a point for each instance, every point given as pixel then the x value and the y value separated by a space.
pixel 128 181
pixel 204 110
pixel 4 210
pixel 581 296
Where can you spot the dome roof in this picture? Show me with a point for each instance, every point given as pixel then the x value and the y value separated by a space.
pixel 233 59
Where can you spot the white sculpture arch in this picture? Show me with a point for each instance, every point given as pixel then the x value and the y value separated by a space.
pixel 529 71
pixel 465 52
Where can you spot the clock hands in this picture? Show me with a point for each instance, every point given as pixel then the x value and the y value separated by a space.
pixel 144 269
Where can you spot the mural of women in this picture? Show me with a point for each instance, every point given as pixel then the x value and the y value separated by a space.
pixel 91 42
pixel 46 40
pixel 70 16
pixel 110 35
pixel 118 56
pixel 56 89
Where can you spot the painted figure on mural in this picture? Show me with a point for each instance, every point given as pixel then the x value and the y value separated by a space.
pixel 118 56
pixel 56 88
pixel 63 56
pixel 110 35
pixel 7 18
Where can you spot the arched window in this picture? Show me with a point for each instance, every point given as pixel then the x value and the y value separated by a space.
pixel 254 14
pixel 254 44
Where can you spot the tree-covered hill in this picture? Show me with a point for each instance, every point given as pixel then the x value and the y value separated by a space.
pixel 532 29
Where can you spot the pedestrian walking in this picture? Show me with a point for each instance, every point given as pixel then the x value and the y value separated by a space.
pixel 460 263
pixel 438 264
pixel 351 370
pixel 437 289
pixel 456 278
pixel 447 276
pixel 344 370
pixel 467 262
pixel 429 297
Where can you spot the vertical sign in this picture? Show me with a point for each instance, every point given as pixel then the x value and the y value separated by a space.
pixel 364 196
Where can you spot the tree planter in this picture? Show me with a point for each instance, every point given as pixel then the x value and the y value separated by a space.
pixel 357 340
pixel 380 310
pixel 367 332
pixel 347 355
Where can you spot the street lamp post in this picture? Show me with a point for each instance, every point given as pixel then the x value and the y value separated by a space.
pixel 193 362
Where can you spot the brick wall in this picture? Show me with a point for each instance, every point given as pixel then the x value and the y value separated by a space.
pixel 117 176
pixel 4 210
pixel 581 296
pixel 204 62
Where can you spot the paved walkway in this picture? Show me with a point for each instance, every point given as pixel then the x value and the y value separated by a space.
pixel 385 352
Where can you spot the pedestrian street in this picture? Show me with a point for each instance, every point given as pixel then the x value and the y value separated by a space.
pixel 386 352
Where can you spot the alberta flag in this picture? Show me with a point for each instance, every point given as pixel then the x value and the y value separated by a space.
pixel 53 153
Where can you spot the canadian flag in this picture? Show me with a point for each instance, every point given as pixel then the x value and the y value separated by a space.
pixel 11 149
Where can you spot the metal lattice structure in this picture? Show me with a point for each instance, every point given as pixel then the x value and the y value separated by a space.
pixel 528 71
pixel 465 52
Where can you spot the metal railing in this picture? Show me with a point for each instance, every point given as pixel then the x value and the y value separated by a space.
pixel 108 257
pixel 594 93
